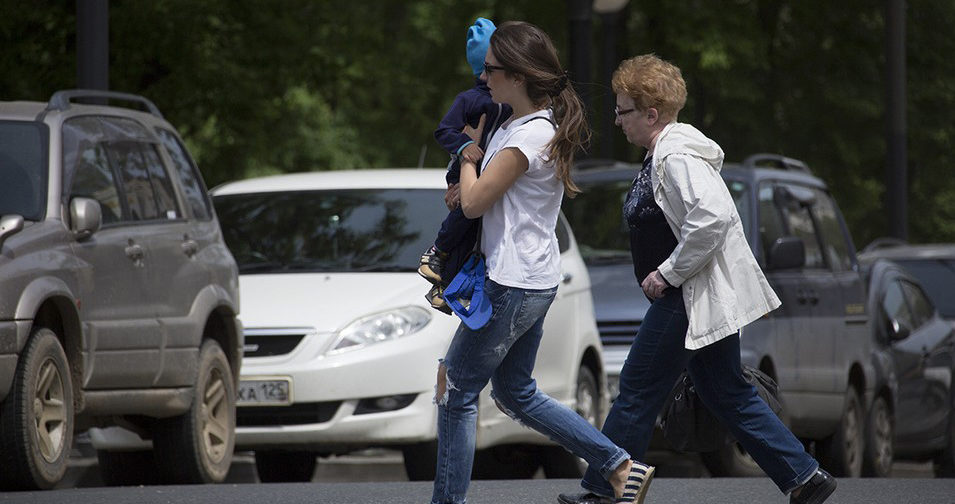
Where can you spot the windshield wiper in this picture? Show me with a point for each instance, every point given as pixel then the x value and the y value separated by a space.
pixel 610 257
pixel 260 266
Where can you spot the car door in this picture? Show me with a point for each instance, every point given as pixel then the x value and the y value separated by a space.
pixel 122 335
pixel 922 359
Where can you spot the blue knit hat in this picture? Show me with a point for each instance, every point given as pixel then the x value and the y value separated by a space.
pixel 479 37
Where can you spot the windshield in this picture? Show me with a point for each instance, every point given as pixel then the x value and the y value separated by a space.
pixel 596 216
pixel 23 169
pixel 937 277
pixel 346 230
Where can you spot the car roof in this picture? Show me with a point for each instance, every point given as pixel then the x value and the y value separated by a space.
pixel 21 110
pixel 616 171
pixel 397 178
pixel 919 251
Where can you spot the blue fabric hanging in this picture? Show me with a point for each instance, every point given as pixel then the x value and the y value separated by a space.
pixel 468 285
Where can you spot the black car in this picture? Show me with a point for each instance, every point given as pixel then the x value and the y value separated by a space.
pixel 813 345
pixel 910 301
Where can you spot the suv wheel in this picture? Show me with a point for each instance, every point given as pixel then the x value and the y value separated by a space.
pixel 285 466
pixel 36 418
pixel 841 453
pixel 879 436
pixel 196 447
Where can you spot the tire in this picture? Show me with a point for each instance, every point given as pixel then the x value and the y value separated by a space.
pixel 841 453
pixel 285 466
pixel 36 418
pixel 944 465
pixel 731 461
pixel 555 460
pixel 196 447
pixel 879 438
pixel 420 459
pixel 132 468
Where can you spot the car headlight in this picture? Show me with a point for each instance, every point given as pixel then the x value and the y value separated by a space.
pixel 384 326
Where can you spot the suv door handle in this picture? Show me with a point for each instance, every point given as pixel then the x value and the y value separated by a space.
pixel 190 247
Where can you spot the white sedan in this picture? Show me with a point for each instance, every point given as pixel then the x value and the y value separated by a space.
pixel 342 348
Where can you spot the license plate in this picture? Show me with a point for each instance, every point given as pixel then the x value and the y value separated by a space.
pixel 269 392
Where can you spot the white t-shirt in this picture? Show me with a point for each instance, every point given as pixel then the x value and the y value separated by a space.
pixel 518 234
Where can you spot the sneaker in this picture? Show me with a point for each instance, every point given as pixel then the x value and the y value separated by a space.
pixel 816 490
pixel 435 297
pixel 584 498
pixel 431 264
pixel 637 483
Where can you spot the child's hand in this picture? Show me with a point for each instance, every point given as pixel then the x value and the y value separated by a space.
pixel 475 134
pixel 452 197
pixel 472 153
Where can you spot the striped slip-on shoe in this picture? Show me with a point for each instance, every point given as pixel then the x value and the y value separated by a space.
pixel 637 483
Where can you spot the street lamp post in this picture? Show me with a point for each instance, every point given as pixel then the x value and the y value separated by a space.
pixel 92 44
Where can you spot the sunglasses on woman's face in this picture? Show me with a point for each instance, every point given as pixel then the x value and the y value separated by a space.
pixel 489 68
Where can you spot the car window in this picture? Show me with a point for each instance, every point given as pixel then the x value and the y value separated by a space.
pixel 93 178
pixel 937 276
pixel 800 224
pixel 87 171
pixel 138 189
pixel 189 178
pixel 161 183
pixel 596 216
pixel 921 308
pixel 895 308
pixel 770 219
pixel 348 230
pixel 23 169
pixel 836 247
pixel 740 193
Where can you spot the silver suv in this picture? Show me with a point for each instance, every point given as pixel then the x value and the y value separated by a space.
pixel 118 296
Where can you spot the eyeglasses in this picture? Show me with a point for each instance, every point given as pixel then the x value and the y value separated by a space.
pixel 624 112
pixel 489 68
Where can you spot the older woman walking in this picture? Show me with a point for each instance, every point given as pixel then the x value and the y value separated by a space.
pixel 693 262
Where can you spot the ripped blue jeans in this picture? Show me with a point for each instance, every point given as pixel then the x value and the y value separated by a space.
pixel 504 352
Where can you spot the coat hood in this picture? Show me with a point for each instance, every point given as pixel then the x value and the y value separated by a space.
pixel 680 138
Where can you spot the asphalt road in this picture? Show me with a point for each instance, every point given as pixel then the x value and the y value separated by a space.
pixel 537 491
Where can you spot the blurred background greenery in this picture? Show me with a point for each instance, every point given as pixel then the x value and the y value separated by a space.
pixel 260 86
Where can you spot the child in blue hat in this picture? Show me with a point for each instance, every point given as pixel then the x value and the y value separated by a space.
pixel 458 234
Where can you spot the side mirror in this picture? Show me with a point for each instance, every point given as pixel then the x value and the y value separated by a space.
pixel 86 217
pixel 787 252
pixel 10 225
pixel 898 330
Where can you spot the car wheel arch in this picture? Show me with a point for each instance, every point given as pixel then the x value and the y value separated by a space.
pixel 220 326
pixel 59 314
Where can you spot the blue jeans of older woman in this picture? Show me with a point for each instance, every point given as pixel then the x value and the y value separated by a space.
pixel 504 352
pixel 657 358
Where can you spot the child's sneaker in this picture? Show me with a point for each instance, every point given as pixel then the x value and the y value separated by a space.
pixel 431 264
pixel 435 297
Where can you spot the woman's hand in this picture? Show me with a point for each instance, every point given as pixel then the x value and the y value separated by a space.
pixel 452 197
pixel 654 285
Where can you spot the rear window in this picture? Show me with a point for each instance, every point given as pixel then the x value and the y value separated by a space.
pixel 351 230
pixel 23 169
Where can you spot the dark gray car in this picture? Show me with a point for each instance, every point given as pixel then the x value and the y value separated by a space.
pixel 813 345
pixel 118 296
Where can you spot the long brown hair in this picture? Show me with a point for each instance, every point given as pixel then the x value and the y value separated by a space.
pixel 524 49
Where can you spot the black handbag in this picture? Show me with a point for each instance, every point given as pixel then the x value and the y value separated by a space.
pixel 689 426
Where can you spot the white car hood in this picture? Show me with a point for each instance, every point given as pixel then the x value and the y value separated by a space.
pixel 325 301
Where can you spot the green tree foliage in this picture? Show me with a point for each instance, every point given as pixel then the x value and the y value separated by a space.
pixel 265 86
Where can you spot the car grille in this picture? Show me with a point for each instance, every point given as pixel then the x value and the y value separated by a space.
pixel 617 333
pixel 270 342
pixel 296 414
